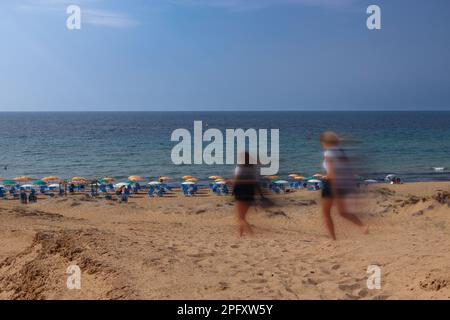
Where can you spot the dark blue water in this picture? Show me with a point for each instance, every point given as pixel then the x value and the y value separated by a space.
pixel 123 144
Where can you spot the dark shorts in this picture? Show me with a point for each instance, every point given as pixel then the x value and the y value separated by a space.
pixel 244 192
pixel 328 192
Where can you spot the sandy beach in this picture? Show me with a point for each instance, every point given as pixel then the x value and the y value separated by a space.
pixel 186 248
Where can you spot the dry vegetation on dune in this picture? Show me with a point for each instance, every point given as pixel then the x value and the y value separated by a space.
pixel 186 248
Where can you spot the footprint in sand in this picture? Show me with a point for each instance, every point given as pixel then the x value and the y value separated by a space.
pixel 335 266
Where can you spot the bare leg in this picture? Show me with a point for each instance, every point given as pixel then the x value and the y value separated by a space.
pixel 326 212
pixel 241 211
pixel 342 208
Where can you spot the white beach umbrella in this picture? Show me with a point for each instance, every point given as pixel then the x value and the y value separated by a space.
pixel 281 182
pixel 154 183
pixel 188 183
pixel 121 184
pixel 314 181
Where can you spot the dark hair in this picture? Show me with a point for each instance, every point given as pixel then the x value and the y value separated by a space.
pixel 246 156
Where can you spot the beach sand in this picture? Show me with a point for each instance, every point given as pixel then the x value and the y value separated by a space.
pixel 187 248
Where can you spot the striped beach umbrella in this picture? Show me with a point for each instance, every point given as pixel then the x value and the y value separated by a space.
pixel 39 183
pixel 135 178
pixel 80 180
pixel 51 178
pixel 23 178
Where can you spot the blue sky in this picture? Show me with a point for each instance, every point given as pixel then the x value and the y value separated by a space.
pixel 224 55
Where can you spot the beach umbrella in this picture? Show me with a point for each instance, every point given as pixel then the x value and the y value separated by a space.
pixel 164 178
pixel 281 182
pixel 27 186
pixel 220 182
pixel 75 179
pixel 299 178
pixel 318 175
pixel 154 183
pixel 39 182
pixel 8 182
pixel 51 178
pixel 314 181
pixel 370 181
pixel 215 177
pixel 187 177
pixel 135 178
pixel 121 184
pixel 272 177
pixel 108 179
pixel 23 178
pixel 188 183
pixel 102 181
pixel 192 179
pixel 129 181
pixel 293 175
pixel 53 185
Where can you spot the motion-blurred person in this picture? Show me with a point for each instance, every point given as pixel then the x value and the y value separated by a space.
pixel 339 183
pixel 246 184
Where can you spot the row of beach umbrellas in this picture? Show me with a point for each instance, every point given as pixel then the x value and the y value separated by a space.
pixel 187 180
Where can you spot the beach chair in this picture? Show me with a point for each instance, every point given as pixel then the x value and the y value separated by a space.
pixel 216 190
pixel 225 189
pixel 124 198
pixel 185 190
pixel 150 192
pixel 2 193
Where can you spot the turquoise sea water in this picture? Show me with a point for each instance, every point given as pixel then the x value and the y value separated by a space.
pixel 138 143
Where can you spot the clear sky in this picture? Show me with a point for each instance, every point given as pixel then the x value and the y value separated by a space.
pixel 224 55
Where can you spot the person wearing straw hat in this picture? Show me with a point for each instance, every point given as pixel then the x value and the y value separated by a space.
pixel 338 184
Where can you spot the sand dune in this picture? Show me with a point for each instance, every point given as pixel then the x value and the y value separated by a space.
pixel 186 248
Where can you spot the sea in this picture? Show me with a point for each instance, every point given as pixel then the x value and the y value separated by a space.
pixel 120 144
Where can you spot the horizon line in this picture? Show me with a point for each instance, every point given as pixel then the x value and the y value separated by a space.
pixel 202 110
